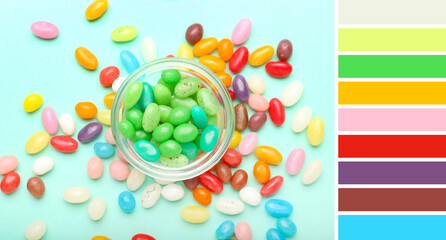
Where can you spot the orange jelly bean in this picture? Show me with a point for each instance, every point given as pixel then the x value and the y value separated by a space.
pixel 225 49
pixel 96 9
pixel 86 59
pixel 225 77
pixel 108 99
pixel 261 171
pixel 213 62
pixel 268 154
pixel 86 110
pixel 202 196
pixel 205 46
pixel 100 238
pixel 261 55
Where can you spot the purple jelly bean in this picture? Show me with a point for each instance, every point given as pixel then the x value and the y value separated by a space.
pixel 240 87
pixel 89 132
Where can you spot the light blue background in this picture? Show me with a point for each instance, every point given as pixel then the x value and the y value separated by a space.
pixel 49 68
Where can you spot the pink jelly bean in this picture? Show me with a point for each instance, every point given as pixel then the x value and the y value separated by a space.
pixel 241 32
pixel 248 143
pixel 44 30
pixel 258 102
pixel 95 167
pixel 295 161
pixel 120 156
pixel 118 170
pixel 109 137
pixel 8 163
pixel 49 120
pixel 243 231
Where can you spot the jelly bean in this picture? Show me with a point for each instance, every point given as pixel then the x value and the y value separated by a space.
pixel 235 139
pixel 8 163
pixel 256 85
pixel 109 137
pixel 35 230
pixel 147 96
pixel 171 76
pixel 292 93
pixel 187 87
pixel 205 46
pixel 44 30
pixel 32 102
pixel 194 33
pixel 86 110
pixel 170 148
pixel 248 143
pixel 261 171
pixel 278 69
pixel 189 149
pixel 241 117
pixel 126 202
pixel 258 102
pixel 225 78
pixel 284 50
pixel 76 195
pixel 162 94
pixel 151 117
pixel 225 230
pixel 147 151
pixel 35 187
pixel 223 172
pixel 230 206
pixel 211 182
pixel 163 132
pixel 213 62
pixel 261 55
pixel 231 94
pixel 85 58
pixel 179 115
pixel 132 94
pixel 142 236
pixel 239 59
pixel 10 182
pixel 212 120
pixel 272 186
pixel 67 124
pixel 295 161
pixel 225 49
pixel 124 34
pixel 126 128
pixel 312 172
pixel 250 196
pixel 163 182
pixel 276 111
pixel 187 102
pixel 191 184
pixel 89 132
pixel 134 116
pixel 42 165
pixel 199 116
pixel 185 133
pixel 95 168
pixel 278 208
pixel 257 120
pixel 108 99
pixel 104 150
pixel 37 142
pixel 315 131
pixel 129 61
pixel 172 192
pixel 64 144
pixel 207 101
pixel 100 238
pixel 117 83
pixel 195 214
pixel 49 120
pixel 176 162
pixel 241 31
pixel 96 9
pixel 185 51
pixel 239 179
pixel 96 209
pixel 268 154
pixel 108 75
pixel 209 138
pixel 232 158
pixel 286 226
pixel 240 88
pixel 170 56
pixel 135 179
pixel 301 119
pixel 243 231
pixel 150 195
pixel 274 234
pixel 104 117
pixel 148 49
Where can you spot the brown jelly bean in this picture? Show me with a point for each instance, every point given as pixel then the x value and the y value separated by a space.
pixel 239 179
pixel 257 120
pixel 191 184
pixel 194 33
pixel 284 50
pixel 36 187
pixel 223 172
pixel 241 117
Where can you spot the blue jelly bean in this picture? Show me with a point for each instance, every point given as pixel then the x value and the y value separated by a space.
pixel 126 201
pixel 278 208
pixel 147 150
pixel 129 61
pixel 189 149
pixel 225 230
pixel 209 138
pixel 286 226
pixel 274 234
pixel 147 96
pixel 103 149
pixel 199 116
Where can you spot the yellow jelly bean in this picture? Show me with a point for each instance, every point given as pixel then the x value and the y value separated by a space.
pixel 96 9
pixel 86 59
pixel 205 46
pixel 32 102
pixel 104 117
pixel 195 214
pixel 185 51
pixel 261 55
pixel 100 238
pixel 213 62
pixel 225 49
pixel 37 142
pixel 108 99
pixel 315 131
pixel 235 139
pixel 268 154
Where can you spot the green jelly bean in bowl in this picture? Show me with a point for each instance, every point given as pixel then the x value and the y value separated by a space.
pixel 172 119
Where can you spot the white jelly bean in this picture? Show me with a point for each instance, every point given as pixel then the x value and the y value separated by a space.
pixel 35 230
pixel 76 195
pixel 148 50
pixel 67 124
pixel 163 182
pixel 42 165
pixel 135 179
pixel 230 206
pixel 96 208
pixel 117 83
pixel 292 93
pixel 301 119
pixel 172 192
pixel 256 85
pixel 250 196
pixel 151 195
pixel 312 172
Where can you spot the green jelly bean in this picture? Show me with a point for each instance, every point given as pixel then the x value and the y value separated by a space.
pixel 170 148
pixel 171 87
pixel 171 76
pixel 124 34
pixel 154 142
pixel 164 112
pixel 163 132
pixel 162 94
pixel 179 115
pixel 187 102
pixel 199 116
pixel 147 150
pixel 134 116
pixel 176 162
pixel 197 141
pixel 132 94
pixel 187 87
pixel 190 150
pixel 209 138
pixel 141 135
pixel 147 96
pixel 151 117
pixel 126 128
pixel 185 133
pixel 207 101
pixel 212 120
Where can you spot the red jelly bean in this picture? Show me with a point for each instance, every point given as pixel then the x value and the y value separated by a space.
pixel 232 94
pixel 278 69
pixel 232 157
pixel 272 186
pixel 170 55
pixel 211 182
pixel 276 111
pixel 239 59
pixel 191 184
pixel 108 75
pixel 64 144
pixel 142 236
pixel 10 182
